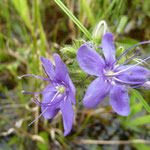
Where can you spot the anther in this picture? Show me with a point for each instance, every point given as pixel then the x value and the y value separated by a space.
pixel 22 92
pixel 61 89
pixel 19 78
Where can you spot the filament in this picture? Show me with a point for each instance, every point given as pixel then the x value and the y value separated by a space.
pixel 32 75
pixel 134 65
pixel 130 58
pixel 145 42
pixel 125 82
pixel 44 109
pixel 24 92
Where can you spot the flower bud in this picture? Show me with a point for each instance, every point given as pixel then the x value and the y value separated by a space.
pixel 99 31
pixel 69 51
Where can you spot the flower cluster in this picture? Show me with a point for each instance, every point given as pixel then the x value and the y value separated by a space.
pixel 112 79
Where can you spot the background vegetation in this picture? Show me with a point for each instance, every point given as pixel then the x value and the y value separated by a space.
pixel 33 28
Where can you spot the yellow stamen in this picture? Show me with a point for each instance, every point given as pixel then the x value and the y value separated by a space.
pixel 61 89
pixel 110 73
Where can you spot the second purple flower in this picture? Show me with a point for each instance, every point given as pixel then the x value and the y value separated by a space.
pixel 58 95
pixel 111 77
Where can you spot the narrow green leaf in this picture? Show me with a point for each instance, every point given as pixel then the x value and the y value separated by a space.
pixel 141 146
pixel 22 8
pixel 139 121
pixel 87 9
pixel 74 19
pixel 136 108
pixel 41 146
pixel 38 22
pixel 141 99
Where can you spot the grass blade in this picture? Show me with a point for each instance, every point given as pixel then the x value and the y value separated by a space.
pixel 141 99
pixel 139 121
pixel 74 19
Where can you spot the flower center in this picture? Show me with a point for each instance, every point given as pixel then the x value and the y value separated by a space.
pixel 61 89
pixel 110 74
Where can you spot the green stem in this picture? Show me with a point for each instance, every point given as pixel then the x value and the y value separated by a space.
pixel 74 19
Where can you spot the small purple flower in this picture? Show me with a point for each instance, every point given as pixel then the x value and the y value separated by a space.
pixel 111 77
pixel 58 95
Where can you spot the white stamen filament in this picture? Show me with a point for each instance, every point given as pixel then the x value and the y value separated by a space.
pixel 31 75
pixel 124 81
pixel 133 65
pixel 139 60
pixel 44 109
pixel 65 98
pixel 119 80
pixel 19 78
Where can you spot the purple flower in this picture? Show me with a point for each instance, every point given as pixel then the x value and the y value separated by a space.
pixel 111 77
pixel 58 95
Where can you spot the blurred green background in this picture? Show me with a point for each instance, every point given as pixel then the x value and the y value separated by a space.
pixel 33 28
